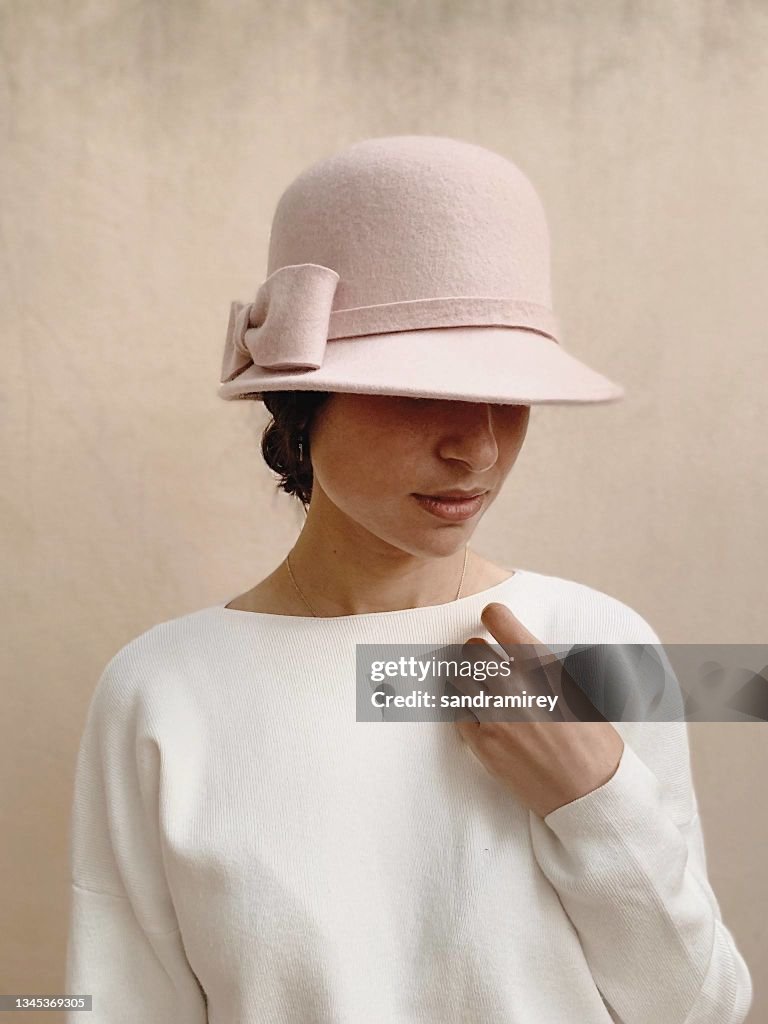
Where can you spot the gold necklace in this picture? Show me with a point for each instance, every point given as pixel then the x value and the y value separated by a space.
pixel 314 613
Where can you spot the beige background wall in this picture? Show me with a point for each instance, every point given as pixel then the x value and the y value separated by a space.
pixel 144 147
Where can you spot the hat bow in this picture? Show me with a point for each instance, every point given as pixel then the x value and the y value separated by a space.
pixel 286 325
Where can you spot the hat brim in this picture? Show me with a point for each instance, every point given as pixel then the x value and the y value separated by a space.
pixel 504 365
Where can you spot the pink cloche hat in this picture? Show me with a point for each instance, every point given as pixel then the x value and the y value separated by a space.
pixel 413 265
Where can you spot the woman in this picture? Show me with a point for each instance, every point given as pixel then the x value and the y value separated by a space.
pixel 244 848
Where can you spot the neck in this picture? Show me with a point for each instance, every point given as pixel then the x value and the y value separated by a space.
pixel 343 569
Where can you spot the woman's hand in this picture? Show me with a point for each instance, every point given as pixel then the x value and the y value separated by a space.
pixel 545 763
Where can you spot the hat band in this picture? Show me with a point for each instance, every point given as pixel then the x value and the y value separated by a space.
pixel 453 311
pixel 292 318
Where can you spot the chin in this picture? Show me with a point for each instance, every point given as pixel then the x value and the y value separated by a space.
pixel 423 540
pixel 440 542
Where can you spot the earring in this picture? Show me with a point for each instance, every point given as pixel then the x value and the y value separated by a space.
pixel 301 448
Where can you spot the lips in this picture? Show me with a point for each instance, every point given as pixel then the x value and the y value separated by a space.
pixel 455 495
pixel 455 509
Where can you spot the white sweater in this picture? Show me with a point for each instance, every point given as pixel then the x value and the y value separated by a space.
pixel 244 850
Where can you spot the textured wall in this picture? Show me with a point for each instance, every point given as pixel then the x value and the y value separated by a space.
pixel 144 147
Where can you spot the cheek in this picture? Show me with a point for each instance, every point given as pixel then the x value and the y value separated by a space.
pixel 510 451
pixel 514 436
pixel 367 466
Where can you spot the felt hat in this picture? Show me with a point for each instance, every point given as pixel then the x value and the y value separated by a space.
pixel 414 265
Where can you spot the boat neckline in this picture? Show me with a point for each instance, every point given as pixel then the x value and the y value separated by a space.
pixel 485 596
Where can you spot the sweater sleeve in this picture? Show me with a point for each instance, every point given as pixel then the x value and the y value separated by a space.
pixel 628 863
pixel 124 946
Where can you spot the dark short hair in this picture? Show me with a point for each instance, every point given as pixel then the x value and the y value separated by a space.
pixel 292 413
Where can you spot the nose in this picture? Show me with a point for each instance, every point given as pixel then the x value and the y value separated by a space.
pixel 470 436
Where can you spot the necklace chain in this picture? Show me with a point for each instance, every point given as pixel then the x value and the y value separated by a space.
pixel 314 613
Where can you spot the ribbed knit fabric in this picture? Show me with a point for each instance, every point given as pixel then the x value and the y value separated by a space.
pixel 242 850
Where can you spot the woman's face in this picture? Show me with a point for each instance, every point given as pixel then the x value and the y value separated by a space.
pixel 372 454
